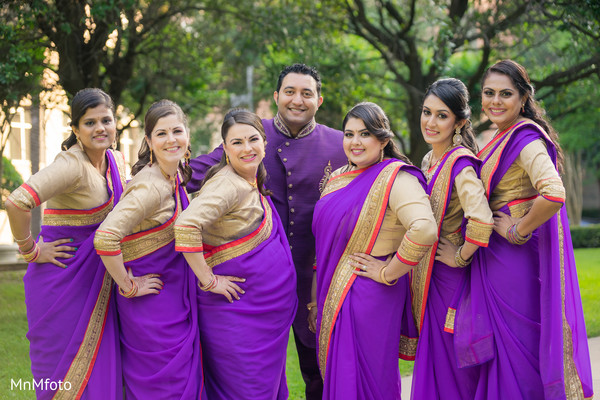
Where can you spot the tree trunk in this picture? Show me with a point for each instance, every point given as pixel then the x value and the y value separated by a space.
pixel 34 151
pixel 573 182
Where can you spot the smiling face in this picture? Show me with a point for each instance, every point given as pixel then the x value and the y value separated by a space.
pixel 168 141
pixel 297 100
pixel 96 129
pixel 500 100
pixel 438 122
pixel 361 147
pixel 245 148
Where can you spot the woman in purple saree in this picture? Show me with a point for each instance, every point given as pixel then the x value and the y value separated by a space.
pixel 73 330
pixel 232 229
pixel 527 279
pixel 372 225
pixel 458 200
pixel 157 308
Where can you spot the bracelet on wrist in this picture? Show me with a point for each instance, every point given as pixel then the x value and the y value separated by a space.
pixel 385 281
pixel 461 262
pixel 32 254
pixel 513 236
pixel 210 285
pixel 19 241
pixel 131 293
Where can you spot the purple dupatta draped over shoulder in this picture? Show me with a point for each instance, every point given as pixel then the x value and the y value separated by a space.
pixel 361 323
pixel 73 331
pixel 532 297
pixel 244 343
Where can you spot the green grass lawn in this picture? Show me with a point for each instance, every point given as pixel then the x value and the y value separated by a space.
pixel 14 347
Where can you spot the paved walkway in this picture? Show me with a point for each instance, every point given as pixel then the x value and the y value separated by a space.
pixel 594 344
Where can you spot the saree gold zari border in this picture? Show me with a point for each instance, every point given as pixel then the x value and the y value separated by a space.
pixel 228 251
pixel 81 367
pixel 340 181
pixel 362 238
pixel 421 274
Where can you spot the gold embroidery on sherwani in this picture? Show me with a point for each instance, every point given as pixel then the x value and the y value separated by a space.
pixel 77 373
pixel 359 241
pixel 245 244
pixel 439 197
pixel 21 198
pixel 573 387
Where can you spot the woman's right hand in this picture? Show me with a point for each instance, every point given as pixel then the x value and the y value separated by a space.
pixel 227 287
pixel 146 284
pixel 50 251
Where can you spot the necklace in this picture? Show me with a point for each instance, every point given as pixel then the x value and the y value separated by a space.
pixel 253 184
pixel 431 165
pixel 170 178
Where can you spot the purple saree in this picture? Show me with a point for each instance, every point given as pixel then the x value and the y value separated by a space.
pixel 532 298
pixel 435 287
pixel 361 323
pixel 244 343
pixel 159 333
pixel 73 331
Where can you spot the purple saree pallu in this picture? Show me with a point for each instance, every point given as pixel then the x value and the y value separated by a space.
pixel 362 325
pixel 73 331
pixel 532 298
pixel 159 333
pixel 435 290
pixel 244 343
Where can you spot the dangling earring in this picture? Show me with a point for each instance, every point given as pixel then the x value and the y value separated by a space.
pixel 456 139
pixel 79 142
pixel 381 155
pixel 226 158
pixel 114 144
pixel 187 156
pixel 523 108
pixel 150 157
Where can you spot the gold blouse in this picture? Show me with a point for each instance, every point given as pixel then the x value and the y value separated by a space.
pixel 227 208
pixel 147 202
pixel 408 226
pixel 467 199
pixel 70 182
pixel 532 172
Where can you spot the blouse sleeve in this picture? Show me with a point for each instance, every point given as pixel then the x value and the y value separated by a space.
pixel 217 197
pixel 480 221
pixel 140 200
pixel 410 204
pixel 535 160
pixel 63 175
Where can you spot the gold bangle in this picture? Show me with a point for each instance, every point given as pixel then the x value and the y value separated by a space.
pixel 382 277
pixel 132 292
pixel 311 305
pixel 461 262
pixel 23 240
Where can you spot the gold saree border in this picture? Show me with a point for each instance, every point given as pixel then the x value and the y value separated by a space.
pixel 228 251
pixel 361 241
pixel 421 275
pixel 573 386
pixel 81 368
pixel 340 181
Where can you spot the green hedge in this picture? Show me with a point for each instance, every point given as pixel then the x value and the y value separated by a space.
pixel 586 236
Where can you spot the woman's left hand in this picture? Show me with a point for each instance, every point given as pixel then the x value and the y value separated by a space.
pixel 446 251
pixel 368 266
pixel 502 222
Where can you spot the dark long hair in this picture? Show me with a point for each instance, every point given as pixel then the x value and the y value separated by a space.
pixel 241 116
pixel 378 125
pixel 532 109
pixel 84 99
pixel 159 110
pixel 454 94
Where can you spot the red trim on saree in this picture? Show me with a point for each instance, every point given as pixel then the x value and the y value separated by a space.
pixel 32 193
pixel 480 244
pixel 71 217
pixel 219 254
pixel 367 227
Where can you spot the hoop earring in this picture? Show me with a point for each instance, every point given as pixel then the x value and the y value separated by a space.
pixel 456 139
pixel 150 157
